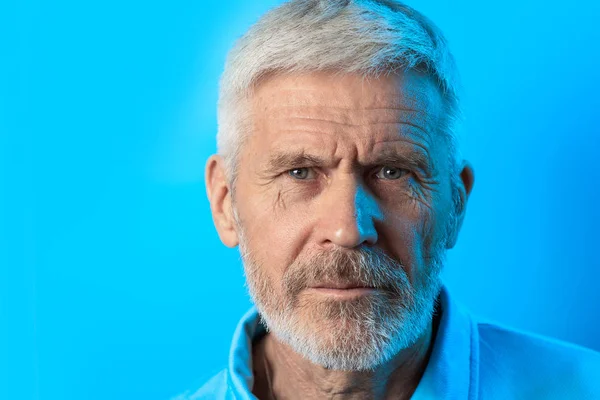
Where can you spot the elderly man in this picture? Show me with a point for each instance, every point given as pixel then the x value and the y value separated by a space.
pixel 338 175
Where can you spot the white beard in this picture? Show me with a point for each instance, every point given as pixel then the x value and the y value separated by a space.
pixel 354 335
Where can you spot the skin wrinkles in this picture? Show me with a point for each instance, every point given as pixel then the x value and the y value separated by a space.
pixel 304 103
pixel 315 140
pixel 408 156
pixel 326 121
pixel 340 131
pixel 338 172
pixel 418 187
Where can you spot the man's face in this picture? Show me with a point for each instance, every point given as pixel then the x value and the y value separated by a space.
pixel 343 202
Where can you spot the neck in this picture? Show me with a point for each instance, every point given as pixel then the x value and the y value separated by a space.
pixel 281 373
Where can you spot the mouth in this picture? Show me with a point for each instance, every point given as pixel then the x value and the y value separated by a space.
pixel 342 290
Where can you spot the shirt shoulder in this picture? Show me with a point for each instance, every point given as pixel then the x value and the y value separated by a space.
pixel 531 366
pixel 215 388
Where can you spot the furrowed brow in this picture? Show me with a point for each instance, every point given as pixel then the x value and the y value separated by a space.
pixel 414 159
pixel 284 161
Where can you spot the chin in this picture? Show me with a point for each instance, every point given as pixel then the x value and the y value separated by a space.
pixel 349 346
pixel 352 335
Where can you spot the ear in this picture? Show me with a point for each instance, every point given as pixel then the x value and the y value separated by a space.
pixel 460 196
pixel 219 196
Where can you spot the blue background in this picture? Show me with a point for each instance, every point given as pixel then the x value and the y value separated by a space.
pixel 113 283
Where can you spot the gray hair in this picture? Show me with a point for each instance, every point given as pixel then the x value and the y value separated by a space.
pixel 368 37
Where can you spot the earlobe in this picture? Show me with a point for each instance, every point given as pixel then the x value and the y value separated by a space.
pixel 219 196
pixel 460 196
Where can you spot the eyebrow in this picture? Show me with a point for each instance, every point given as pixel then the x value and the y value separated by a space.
pixel 297 159
pixel 283 161
pixel 415 159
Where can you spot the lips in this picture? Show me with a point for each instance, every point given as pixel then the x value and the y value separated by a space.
pixel 341 285
pixel 342 291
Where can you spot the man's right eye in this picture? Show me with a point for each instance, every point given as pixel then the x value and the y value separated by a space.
pixel 301 173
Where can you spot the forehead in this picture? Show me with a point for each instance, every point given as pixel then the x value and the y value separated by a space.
pixel 315 108
pixel 353 90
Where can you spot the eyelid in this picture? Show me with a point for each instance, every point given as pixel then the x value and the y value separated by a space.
pixel 378 169
pixel 310 169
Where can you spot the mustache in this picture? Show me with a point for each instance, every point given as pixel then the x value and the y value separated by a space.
pixel 367 267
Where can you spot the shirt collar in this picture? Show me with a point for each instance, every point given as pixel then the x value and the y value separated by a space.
pixel 451 372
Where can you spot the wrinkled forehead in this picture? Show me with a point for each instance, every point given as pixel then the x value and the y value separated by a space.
pixel 350 98
pixel 360 111
pixel 405 84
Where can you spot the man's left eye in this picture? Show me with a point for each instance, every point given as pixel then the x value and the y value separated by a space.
pixel 391 173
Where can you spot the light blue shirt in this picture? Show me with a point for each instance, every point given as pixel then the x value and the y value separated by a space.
pixel 469 360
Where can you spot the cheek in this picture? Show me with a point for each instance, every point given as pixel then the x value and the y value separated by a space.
pixel 407 233
pixel 274 235
pixel 441 220
pixel 403 241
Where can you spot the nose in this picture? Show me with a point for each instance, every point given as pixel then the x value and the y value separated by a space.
pixel 348 215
